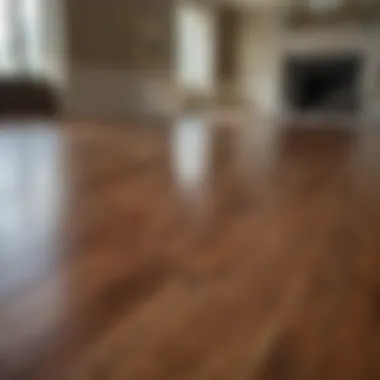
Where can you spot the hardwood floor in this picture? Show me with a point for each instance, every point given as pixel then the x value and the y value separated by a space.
pixel 189 253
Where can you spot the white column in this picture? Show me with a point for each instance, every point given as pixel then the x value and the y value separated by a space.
pixel 196 47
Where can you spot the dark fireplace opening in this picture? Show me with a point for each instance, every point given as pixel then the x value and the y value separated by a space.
pixel 323 83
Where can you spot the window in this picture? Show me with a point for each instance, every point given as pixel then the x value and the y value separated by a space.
pixel 20 37
pixel 195 47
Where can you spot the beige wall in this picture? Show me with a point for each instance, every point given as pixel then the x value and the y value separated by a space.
pixel 228 30
pixel 120 56
pixel 131 34
pixel 258 60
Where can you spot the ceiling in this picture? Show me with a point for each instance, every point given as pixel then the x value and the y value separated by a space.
pixel 311 5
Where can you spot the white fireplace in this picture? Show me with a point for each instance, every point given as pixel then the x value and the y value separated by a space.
pixel 265 44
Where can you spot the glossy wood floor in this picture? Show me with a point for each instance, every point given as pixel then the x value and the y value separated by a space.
pixel 189 253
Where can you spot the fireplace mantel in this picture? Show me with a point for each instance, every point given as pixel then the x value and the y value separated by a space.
pixel 322 42
pixel 264 46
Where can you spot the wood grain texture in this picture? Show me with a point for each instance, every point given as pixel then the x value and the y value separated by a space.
pixel 189 253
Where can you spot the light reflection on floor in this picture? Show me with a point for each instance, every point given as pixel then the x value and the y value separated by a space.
pixel 31 201
pixel 191 154
pixel 254 145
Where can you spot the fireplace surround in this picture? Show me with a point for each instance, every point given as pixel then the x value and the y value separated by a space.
pixel 323 83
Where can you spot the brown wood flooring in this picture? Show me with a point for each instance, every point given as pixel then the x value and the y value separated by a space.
pixel 189 253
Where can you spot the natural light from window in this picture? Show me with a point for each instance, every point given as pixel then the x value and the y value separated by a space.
pixel 20 37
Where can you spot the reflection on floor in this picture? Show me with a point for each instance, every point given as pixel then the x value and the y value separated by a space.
pixel 189 252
